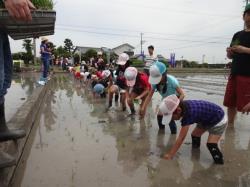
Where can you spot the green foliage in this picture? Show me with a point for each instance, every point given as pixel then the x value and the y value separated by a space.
pixel 137 63
pixel 39 4
pixel 17 65
pixel 27 57
pixel 68 45
pixel 76 58
pixel 17 56
pixel 89 54
pixel 61 52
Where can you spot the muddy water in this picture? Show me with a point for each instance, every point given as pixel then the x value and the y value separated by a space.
pixel 77 143
pixel 21 88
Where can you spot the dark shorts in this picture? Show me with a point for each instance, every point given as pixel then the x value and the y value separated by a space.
pixel 237 92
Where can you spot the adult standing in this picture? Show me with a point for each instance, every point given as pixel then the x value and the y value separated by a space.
pixel 150 59
pixel 45 57
pixel 238 87
pixel 20 10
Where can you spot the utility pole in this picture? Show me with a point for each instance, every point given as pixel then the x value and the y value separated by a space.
pixel 34 49
pixel 141 43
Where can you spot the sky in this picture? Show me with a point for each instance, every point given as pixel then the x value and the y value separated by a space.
pixel 189 28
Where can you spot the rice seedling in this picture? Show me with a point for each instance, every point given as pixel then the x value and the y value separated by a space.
pixel 39 4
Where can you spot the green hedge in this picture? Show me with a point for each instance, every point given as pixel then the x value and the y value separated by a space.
pixel 137 63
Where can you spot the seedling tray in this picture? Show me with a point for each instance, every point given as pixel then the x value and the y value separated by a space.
pixel 42 24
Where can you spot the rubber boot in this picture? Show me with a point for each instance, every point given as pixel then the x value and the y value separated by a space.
pixel 133 111
pixel 172 126
pixel 159 120
pixel 116 97
pixel 5 133
pixel 6 160
pixel 110 104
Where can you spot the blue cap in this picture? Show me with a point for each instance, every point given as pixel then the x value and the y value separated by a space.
pixel 156 71
pixel 99 88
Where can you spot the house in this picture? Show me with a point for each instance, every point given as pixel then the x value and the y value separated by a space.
pixel 124 48
pixel 127 48
pixel 83 50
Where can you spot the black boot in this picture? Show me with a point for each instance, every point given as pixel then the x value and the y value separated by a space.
pixel 5 133
pixel 116 97
pixel 132 111
pixel 172 126
pixel 159 120
pixel 6 160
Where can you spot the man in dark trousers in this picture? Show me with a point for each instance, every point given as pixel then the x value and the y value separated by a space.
pixel 19 10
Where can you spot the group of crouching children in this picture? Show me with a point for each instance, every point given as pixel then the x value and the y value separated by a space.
pixel 129 86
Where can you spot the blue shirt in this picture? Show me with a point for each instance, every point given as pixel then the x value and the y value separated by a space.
pixel 201 112
pixel 172 85
pixel 44 54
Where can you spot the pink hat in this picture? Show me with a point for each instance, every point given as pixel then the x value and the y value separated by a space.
pixel 130 76
pixel 168 106
pixel 123 58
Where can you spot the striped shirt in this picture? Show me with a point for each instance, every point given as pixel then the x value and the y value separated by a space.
pixel 149 61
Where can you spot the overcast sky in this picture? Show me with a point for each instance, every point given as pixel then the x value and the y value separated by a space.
pixel 189 28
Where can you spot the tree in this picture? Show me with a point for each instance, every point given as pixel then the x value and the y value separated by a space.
pixel 61 52
pixel 68 45
pixel 28 48
pixel 89 54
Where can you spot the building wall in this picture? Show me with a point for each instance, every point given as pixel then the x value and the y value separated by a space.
pixel 122 49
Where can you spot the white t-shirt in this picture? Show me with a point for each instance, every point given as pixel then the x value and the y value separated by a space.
pixel 149 61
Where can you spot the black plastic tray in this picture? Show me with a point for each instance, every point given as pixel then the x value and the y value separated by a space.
pixel 42 24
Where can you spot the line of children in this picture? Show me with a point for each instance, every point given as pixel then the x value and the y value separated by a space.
pixel 133 85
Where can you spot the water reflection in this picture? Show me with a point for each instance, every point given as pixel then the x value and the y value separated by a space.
pixel 110 149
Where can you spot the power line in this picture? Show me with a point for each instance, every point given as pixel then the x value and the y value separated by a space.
pixel 136 36
pixel 139 31
pixel 73 28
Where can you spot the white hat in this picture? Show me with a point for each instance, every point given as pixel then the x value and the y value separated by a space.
pixel 168 106
pixel 44 39
pixel 99 53
pixel 123 58
pixel 156 71
pixel 130 76
pixel 106 74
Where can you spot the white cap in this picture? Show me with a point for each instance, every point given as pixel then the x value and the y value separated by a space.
pixel 168 106
pixel 156 71
pixel 123 58
pixel 99 53
pixel 106 74
pixel 130 76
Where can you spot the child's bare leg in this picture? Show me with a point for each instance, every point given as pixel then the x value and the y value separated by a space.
pixel 196 137
pixel 123 101
pixel 231 112
pixel 130 101
pixel 212 145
